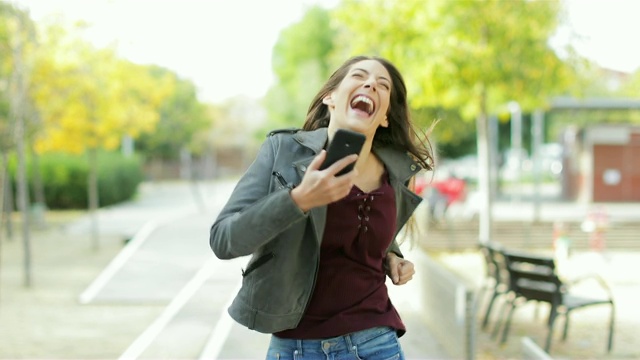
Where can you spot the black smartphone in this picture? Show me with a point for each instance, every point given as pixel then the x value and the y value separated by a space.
pixel 344 143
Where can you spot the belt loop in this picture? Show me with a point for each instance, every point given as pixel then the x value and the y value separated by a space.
pixel 350 345
pixel 299 347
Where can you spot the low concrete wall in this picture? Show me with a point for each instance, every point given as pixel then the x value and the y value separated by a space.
pixel 531 350
pixel 447 304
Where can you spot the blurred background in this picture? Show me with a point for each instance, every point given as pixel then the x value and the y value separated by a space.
pixel 187 90
pixel 536 101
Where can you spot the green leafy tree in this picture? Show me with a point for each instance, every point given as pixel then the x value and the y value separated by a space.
pixel 182 117
pixel 6 137
pixel 6 126
pixel 631 88
pixel 474 56
pixel 455 138
pixel 451 50
pixel 301 62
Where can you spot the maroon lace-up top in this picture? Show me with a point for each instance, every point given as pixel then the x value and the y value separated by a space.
pixel 350 292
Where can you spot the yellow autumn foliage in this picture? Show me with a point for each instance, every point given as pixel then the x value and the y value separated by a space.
pixel 88 98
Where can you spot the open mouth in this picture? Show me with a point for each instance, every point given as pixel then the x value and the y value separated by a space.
pixel 363 103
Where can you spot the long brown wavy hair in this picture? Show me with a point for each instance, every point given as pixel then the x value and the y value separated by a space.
pixel 401 132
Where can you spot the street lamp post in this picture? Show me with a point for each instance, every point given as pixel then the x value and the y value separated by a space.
pixel 516 146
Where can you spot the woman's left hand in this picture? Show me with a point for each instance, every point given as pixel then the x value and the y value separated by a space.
pixel 400 270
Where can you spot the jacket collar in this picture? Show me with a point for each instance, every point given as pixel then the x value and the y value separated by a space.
pixel 314 140
pixel 399 165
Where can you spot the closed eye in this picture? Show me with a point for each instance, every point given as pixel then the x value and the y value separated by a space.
pixel 382 81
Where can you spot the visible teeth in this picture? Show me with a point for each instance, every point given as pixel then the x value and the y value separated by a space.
pixel 365 100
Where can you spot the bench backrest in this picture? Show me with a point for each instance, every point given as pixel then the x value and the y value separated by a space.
pixel 533 277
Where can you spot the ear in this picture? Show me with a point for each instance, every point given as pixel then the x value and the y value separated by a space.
pixel 327 100
pixel 385 122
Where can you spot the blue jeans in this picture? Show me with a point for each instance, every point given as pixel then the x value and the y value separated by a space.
pixel 380 343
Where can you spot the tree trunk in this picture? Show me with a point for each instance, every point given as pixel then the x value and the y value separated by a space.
pixel 23 199
pixel 40 205
pixel 17 113
pixel 92 188
pixel 2 190
pixel 7 203
pixel 3 173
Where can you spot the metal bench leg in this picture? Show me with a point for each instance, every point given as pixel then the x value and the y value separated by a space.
pixel 552 319
pixel 507 323
pixel 566 327
pixel 485 321
pixel 499 319
pixel 611 327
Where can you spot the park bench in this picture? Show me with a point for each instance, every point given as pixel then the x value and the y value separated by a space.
pixel 523 277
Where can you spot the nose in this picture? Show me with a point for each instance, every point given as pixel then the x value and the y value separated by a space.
pixel 370 84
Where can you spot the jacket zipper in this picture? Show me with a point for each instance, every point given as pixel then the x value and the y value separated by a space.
pixel 282 180
pixel 256 264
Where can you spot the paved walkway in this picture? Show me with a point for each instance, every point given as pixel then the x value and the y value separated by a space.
pixel 169 261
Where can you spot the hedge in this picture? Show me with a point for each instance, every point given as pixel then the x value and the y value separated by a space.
pixel 65 179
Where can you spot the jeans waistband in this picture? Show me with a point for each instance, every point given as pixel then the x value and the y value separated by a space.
pixel 344 342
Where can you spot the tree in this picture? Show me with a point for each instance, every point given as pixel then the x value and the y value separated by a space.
pixel 182 117
pixel 631 88
pixel 456 138
pixel 20 33
pixel 6 125
pixel 89 99
pixel 301 63
pixel 472 55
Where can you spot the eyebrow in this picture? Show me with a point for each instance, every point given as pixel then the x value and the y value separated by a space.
pixel 379 77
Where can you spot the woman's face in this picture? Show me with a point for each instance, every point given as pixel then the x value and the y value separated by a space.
pixel 361 101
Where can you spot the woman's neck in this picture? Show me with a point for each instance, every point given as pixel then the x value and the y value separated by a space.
pixel 365 157
pixel 370 170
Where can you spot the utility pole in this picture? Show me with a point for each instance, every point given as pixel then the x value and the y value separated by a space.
pixel 537 131
pixel 485 215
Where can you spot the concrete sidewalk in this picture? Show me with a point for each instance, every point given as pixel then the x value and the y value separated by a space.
pixel 168 252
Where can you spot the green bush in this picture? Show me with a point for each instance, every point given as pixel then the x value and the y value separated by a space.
pixel 65 179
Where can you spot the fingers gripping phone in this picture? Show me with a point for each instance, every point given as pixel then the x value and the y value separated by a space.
pixel 344 143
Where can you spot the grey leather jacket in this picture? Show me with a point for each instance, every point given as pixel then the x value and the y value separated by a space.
pixel 261 219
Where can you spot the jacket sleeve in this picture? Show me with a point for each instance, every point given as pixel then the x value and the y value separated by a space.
pixel 254 214
pixel 395 248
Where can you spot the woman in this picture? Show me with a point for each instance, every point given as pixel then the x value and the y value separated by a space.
pixel 322 245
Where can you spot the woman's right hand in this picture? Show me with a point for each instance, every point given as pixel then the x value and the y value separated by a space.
pixel 322 187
